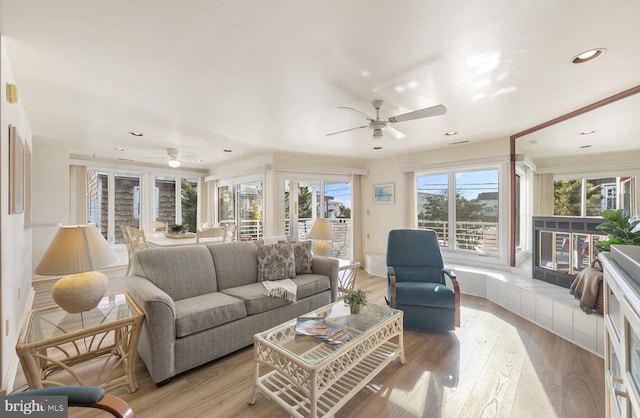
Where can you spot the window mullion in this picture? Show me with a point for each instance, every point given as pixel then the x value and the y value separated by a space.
pixel 452 211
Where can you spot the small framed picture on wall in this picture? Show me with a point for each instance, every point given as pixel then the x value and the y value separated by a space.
pixel 16 172
pixel 383 194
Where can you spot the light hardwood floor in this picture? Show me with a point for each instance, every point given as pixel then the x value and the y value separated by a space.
pixel 496 364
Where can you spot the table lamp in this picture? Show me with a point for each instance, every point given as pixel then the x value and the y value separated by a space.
pixel 77 250
pixel 321 231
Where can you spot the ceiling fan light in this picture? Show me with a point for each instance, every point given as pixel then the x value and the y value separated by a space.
pixel 377 133
pixel 174 163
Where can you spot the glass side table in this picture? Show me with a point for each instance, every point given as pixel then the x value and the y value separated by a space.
pixel 53 342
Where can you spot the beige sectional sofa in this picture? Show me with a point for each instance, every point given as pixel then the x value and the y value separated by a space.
pixel 203 302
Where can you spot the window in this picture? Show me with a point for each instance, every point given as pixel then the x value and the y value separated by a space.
pixel 463 207
pixel 116 198
pixel 121 189
pixel 240 205
pixel 433 205
pixel 584 196
pixel 319 198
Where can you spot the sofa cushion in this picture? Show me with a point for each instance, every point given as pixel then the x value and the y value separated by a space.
pixel 236 263
pixel 276 262
pixel 255 299
pixel 181 272
pixel 303 256
pixel 206 311
pixel 310 284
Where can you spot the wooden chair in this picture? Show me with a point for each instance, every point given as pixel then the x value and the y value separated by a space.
pixel 85 397
pixel 212 233
pixel 127 242
pixel 138 239
pixel 231 232
pixel 156 226
pixel 340 232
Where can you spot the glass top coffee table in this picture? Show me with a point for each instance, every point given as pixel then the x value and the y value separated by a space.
pixel 309 377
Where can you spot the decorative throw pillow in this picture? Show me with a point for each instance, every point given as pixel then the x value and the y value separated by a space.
pixel 303 256
pixel 276 262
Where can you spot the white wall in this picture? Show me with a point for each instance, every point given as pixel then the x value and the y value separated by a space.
pixel 16 293
pixel 50 195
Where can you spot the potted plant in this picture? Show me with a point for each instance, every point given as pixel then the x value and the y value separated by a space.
pixel 618 229
pixel 355 298
pixel 177 229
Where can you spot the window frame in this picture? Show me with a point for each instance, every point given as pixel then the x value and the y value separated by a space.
pixel 450 253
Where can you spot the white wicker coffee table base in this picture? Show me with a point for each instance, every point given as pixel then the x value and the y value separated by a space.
pixel 321 389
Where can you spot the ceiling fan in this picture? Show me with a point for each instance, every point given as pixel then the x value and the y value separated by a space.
pixel 174 157
pixel 382 126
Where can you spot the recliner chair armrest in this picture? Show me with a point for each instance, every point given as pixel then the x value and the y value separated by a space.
pixel 392 283
pixel 456 291
pixel 449 273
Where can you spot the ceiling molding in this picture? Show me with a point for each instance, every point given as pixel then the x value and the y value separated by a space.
pixel 321 170
pixel 453 164
pixel 239 173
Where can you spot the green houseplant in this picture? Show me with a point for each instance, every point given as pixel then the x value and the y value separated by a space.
pixel 177 229
pixel 618 229
pixel 355 298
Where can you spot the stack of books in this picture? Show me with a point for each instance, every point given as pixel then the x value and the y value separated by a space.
pixel 321 329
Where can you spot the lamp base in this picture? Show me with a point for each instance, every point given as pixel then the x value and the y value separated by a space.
pixel 322 248
pixel 80 292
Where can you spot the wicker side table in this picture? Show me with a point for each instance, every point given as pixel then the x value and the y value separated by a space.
pixel 53 341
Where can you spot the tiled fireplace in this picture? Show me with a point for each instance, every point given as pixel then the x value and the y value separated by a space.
pixel 562 246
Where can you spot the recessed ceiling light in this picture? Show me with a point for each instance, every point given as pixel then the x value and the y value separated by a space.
pixel 451 133
pixel 118 149
pixel 587 132
pixel 376 148
pixel 588 55
pixel 228 150
pixel 134 133
pixel 586 146
pixel 459 142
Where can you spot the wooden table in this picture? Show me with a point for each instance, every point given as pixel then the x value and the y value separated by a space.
pixel 161 240
pixel 53 342
pixel 311 378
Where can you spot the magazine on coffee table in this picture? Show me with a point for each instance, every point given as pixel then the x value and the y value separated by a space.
pixel 321 329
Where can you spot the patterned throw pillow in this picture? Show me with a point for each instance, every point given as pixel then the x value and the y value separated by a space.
pixel 303 256
pixel 276 262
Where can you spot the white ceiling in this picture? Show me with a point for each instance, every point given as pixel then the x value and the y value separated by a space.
pixel 254 76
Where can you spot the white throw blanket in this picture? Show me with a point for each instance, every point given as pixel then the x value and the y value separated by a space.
pixel 280 288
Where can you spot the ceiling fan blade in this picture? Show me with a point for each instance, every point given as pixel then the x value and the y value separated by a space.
pixel 418 114
pixel 393 133
pixel 347 130
pixel 367 117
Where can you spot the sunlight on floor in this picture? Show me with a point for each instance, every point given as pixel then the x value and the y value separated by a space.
pixel 414 399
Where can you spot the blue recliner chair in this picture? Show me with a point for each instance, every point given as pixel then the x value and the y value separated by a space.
pixel 416 281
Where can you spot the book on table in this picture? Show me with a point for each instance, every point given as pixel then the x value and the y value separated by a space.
pixel 319 328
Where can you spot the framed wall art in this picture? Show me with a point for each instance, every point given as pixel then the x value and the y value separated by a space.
pixel 383 194
pixel 16 171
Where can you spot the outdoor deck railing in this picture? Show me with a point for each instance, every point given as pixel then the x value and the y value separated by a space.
pixel 479 237
pixel 472 236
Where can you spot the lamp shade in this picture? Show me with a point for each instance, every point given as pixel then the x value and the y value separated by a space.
pixel 321 230
pixel 76 249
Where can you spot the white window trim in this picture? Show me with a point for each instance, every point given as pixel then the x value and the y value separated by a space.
pixel 458 256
